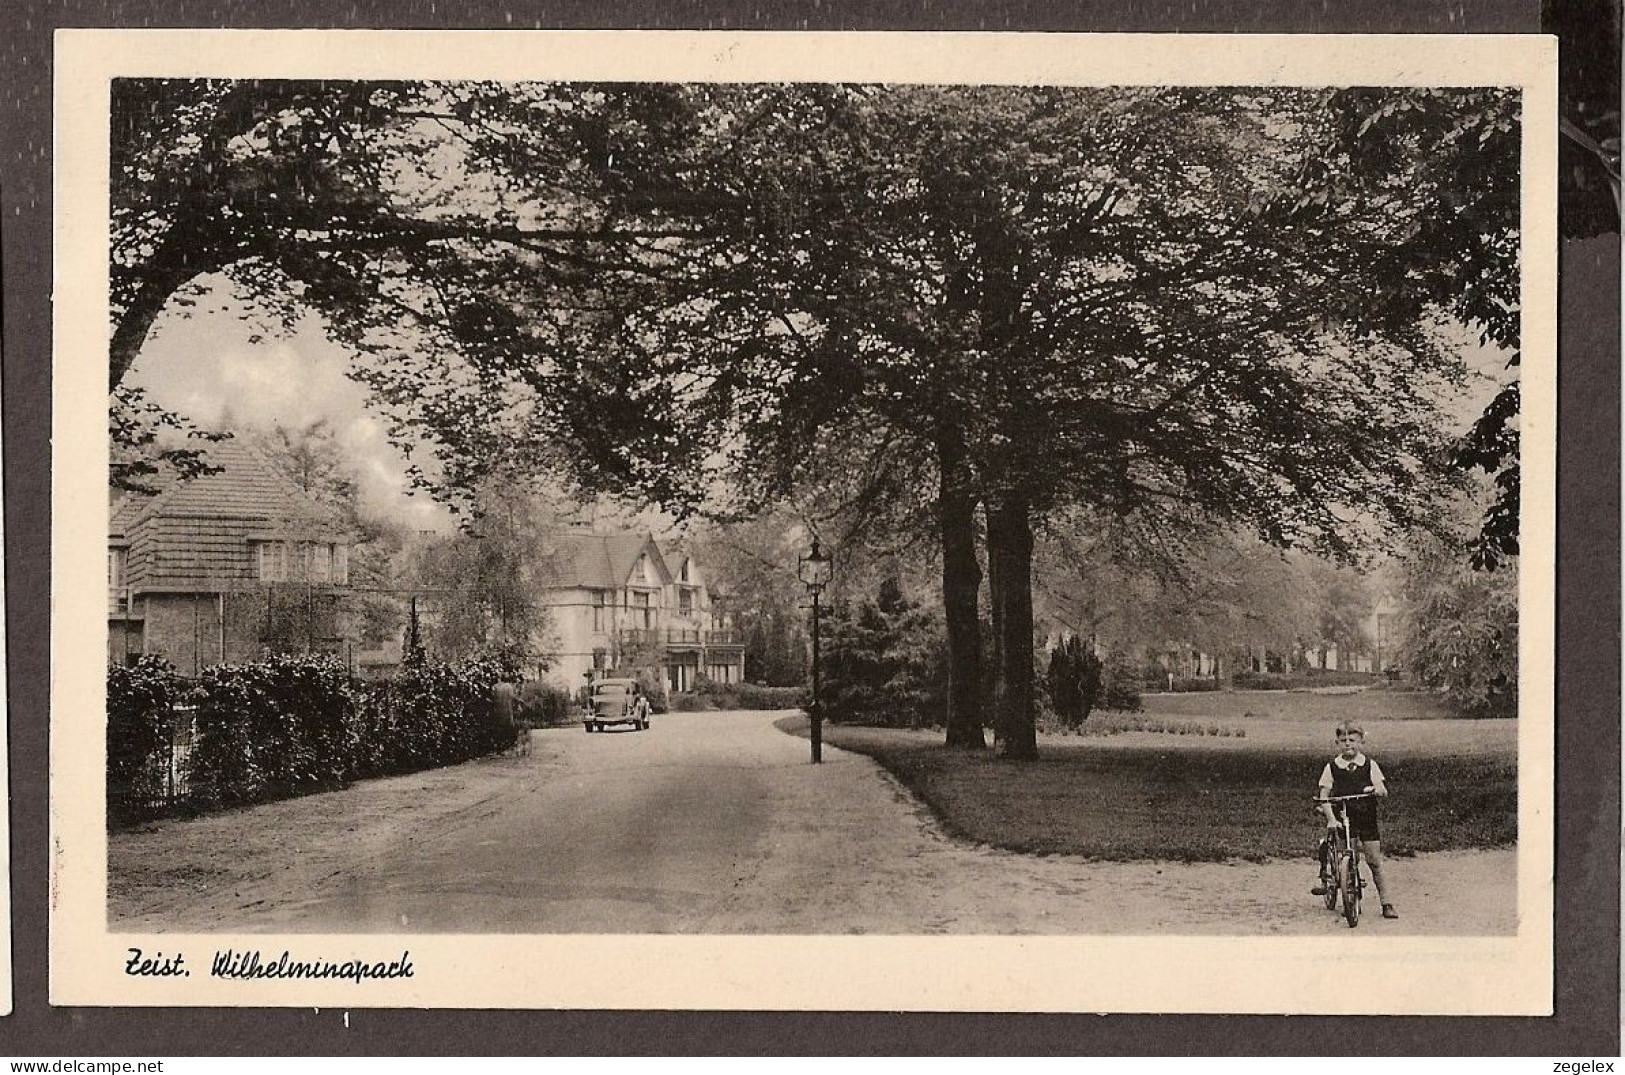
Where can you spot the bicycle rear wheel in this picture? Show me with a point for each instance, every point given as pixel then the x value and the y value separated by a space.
pixel 1348 885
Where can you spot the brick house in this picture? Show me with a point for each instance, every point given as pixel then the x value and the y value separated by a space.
pixel 619 600
pixel 225 567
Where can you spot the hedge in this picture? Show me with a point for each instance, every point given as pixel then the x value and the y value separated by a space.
pixel 713 695
pixel 1314 677
pixel 1188 684
pixel 289 725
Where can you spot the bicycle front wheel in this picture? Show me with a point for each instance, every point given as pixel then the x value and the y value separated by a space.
pixel 1348 884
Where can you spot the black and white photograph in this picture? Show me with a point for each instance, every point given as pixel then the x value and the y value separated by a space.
pixel 895 506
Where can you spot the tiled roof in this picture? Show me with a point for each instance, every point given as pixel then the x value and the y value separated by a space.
pixel 198 536
pixel 247 487
pixel 597 561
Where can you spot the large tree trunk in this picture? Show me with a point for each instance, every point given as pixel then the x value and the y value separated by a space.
pixel 1010 546
pixel 961 587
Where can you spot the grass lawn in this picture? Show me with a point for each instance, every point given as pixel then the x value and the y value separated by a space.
pixel 1187 798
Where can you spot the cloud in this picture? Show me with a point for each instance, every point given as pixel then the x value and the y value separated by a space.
pixel 213 367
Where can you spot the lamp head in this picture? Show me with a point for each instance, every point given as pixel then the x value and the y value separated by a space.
pixel 815 569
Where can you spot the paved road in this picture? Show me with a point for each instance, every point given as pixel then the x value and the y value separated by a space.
pixel 620 831
pixel 707 823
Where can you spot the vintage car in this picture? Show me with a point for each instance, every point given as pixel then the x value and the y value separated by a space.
pixel 617 701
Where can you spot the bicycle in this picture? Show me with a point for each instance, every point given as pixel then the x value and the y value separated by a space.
pixel 1341 875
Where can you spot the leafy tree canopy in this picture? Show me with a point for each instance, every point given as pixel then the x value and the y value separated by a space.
pixel 1233 302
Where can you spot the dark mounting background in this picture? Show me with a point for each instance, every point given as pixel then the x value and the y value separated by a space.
pixel 1588 696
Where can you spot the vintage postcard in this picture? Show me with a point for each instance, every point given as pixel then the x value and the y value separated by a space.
pixel 779 521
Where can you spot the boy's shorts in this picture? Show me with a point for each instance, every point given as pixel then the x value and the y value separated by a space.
pixel 1364 825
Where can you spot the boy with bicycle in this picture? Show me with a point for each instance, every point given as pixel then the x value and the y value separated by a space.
pixel 1352 773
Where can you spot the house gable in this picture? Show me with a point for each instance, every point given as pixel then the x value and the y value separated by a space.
pixel 201 535
pixel 588 561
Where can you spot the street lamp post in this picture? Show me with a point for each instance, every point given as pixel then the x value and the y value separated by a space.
pixel 814 571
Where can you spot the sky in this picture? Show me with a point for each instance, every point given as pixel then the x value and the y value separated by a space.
pixel 219 367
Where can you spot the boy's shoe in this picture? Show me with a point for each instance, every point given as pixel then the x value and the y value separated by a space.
pixel 1318 890
pixel 1388 911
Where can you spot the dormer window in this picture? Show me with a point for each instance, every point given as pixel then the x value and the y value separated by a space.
pixel 304 561
pixel 273 561
pixel 682 573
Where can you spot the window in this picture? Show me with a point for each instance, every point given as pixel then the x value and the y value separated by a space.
pixel 641 613
pixel 682 573
pixel 273 561
pixel 685 601
pixel 598 610
pixel 304 561
pixel 118 598
pixel 319 559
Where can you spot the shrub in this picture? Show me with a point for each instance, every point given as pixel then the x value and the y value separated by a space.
pixel 757 696
pixel 1120 684
pixel 1112 724
pixel 1073 680
pixel 885 661
pixel 691 702
pixel 542 705
pixel 271 729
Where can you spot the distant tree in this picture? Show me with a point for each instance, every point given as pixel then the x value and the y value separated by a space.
pixel 1120 682
pixel 1461 627
pixel 486 583
pixel 1344 602
pixel 311 457
pixel 1221 592
pixel 754 564
pixel 882 661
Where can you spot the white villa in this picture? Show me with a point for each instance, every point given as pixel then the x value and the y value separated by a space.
pixel 621 598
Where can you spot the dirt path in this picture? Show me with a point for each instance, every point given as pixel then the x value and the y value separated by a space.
pixel 710 823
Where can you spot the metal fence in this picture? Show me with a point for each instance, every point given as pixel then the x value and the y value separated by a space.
pixel 159 782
